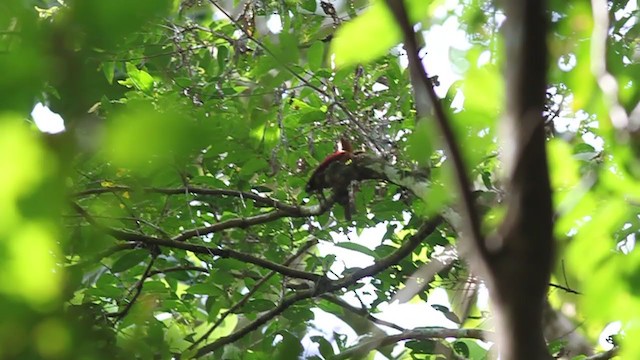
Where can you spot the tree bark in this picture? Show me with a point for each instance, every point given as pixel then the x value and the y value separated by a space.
pixel 520 256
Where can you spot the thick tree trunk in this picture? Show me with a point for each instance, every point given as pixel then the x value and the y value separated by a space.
pixel 516 262
pixel 518 266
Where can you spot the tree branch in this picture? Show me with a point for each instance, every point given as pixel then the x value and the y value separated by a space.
pixel 198 249
pixel 254 325
pixel 324 285
pixel 138 290
pixel 240 223
pixel 360 311
pixel 404 250
pixel 264 200
pixel 255 288
pixel 179 268
pixel 365 347
pixel 426 99
pixel 605 355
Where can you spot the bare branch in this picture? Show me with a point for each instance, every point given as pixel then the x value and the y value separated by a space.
pixel 232 223
pixel 567 289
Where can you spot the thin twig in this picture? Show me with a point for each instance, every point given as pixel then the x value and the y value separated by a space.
pixel 352 119
pixel 179 268
pixel 261 199
pixel 199 249
pixel 324 285
pixel 567 289
pixel 255 288
pixel 361 312
pixel 119 315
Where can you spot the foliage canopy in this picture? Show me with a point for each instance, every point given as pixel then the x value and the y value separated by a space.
pixel 170 218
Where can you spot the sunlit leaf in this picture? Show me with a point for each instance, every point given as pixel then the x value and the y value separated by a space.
pixel 350 47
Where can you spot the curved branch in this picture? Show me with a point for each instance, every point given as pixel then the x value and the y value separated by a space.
pixel 228 253
pixel 253 290
pixel 363 348
pixel 605 355
pixel 324 285
pixel 240 223
pixel 404 250
pixel 367 167
pixel 426 98
pixel 179 268
pixel 199 249
pixel 119 315
pixel 254 325
pixel 264 200
pixel 363 312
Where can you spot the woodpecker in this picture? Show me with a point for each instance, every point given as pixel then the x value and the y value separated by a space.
pixel 334 172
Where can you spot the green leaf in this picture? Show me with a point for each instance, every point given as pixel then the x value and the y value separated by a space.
pixel 324 346
pixel 252 166
pixel 140 78
pixel 204 289
pixel 309 5
pixel 289 348
pixel 288 49
pixel 315 55
pixel 419 144
pixel 367 37
pixel 259 305
pixel 129 260
pixel 422 346
pixel 357 247
pixel 223 54
pixel 471 348
pixel 450 315
pixel 109 68
pixel 155 286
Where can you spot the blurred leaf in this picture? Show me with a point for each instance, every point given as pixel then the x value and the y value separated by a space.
pixel 129 260
pixel 309 5
pixel 289 348
pixel 351 48
pixel 140 78
pixel 315 55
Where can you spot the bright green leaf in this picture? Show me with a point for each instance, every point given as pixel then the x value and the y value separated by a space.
pixel 351 46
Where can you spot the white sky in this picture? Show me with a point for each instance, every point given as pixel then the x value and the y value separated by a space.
pixel 46 120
